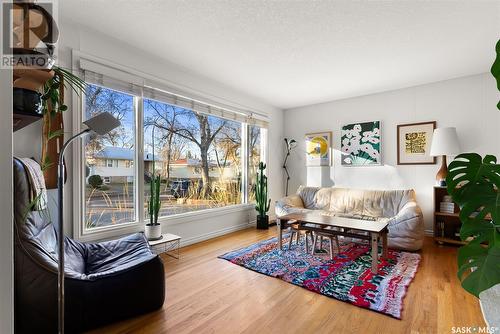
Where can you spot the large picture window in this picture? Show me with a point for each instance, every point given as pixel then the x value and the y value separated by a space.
pixel 109 175
pixel 207 156
pixel 198 157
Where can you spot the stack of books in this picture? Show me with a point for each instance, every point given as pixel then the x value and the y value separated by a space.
pixel 447 205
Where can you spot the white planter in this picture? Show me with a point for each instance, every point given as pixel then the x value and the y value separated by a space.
pixel 152 232
pixel 490 305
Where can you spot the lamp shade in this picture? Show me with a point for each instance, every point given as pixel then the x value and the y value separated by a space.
pixel 445 142
pixel 102 123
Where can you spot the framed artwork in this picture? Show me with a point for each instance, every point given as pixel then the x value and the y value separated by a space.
pixel 318 149
pixel 414 143
pixel 361 144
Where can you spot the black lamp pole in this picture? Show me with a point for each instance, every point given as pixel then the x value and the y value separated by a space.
pixel 100 124
pixel 288 145
pixel 60 231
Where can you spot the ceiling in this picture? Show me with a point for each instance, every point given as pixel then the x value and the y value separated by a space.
pixel 295 53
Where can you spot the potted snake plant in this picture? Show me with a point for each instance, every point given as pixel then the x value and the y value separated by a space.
pixel 262 202
pixel 153 228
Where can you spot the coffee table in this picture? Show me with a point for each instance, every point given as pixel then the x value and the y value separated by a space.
pixel 348 227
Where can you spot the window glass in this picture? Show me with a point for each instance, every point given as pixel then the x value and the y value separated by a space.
pixel 254 157
pixel 198 157
pixel 109 183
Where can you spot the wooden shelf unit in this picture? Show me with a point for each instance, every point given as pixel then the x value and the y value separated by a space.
pixel 450 221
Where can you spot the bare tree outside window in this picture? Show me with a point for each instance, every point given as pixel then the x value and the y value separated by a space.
pixel 201 154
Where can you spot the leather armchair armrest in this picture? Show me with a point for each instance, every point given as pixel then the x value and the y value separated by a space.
pixel 108 257
pixel 122 268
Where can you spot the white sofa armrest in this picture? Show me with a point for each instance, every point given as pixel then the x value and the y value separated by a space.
pixel 409 211
pixel 406 229
pixel 287 204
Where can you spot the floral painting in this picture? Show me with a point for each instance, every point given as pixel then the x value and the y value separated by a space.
pixel 360 144
pixel 318 149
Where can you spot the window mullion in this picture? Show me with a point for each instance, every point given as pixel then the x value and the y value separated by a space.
pixel 139 158
pixel 244 162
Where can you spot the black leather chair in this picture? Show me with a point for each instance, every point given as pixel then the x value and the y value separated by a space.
pixel 105 282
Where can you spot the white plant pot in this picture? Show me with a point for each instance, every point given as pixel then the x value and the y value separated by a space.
pixel 152 232
pixel 490 305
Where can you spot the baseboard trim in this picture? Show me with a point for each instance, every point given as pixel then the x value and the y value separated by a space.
pixel 214 234
pixel 429 233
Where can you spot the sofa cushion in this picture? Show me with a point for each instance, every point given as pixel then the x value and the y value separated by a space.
pixel 347 201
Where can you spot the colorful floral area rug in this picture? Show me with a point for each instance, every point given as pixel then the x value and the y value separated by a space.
pixel 347 277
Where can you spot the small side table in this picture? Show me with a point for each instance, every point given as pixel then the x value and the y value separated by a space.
pixel 168 244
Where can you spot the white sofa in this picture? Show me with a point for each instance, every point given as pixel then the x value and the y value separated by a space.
pixel 398 207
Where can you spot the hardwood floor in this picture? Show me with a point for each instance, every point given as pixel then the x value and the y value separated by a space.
pixel 209 295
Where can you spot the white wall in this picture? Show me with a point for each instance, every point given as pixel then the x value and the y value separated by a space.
pixel 6 228
pixel 467 103
pixel 27 141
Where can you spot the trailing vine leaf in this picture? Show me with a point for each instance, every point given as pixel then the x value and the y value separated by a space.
pixel 474 185
pixel 74 82
pixel 56 133
pixel 46 163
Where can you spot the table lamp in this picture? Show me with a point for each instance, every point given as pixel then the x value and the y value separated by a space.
pixel 444 142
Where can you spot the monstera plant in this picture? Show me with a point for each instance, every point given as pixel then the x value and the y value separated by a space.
pixel 495 68
pixel 474 184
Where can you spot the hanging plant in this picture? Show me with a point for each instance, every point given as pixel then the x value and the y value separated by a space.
pixel 53 126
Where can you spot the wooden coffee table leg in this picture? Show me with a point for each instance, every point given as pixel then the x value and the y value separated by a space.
pixel 374 252
pixel 280 233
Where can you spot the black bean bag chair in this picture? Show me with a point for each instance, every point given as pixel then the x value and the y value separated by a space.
pixel 104 282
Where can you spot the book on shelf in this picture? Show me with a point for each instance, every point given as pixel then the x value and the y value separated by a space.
pixel 440 228
pixel 447 207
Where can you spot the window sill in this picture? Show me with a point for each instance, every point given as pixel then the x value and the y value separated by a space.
pixel 110 232
pixel 203 214
pixel 105 233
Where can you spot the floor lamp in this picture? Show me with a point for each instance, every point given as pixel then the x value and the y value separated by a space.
pixel 290 144
pixel 99 124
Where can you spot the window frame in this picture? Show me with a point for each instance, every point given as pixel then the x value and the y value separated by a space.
pixel 82 233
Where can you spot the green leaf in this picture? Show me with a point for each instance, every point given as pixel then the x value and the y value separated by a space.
pixel 495 68
pixel 485 263
pixel 55 133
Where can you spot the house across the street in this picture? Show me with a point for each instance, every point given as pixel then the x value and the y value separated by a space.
pixel 116 165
